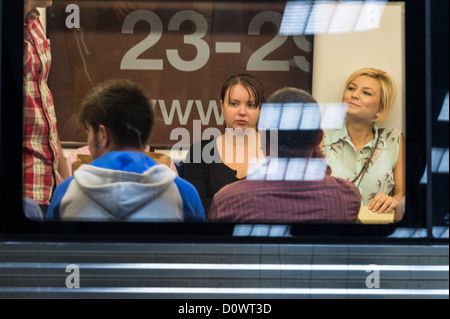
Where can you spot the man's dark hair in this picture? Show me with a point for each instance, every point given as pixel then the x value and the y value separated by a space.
pixel 122 107
pixel 302 141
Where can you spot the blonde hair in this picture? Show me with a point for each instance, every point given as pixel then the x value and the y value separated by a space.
pixel 387 85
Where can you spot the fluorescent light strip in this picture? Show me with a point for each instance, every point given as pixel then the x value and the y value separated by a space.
pixel 345 17
pixel 306 17
pixel 320 18
pixel 311 117
pixel 270 116
pixel 291 116
pixel 213 290
pixel 206 266
pixel 295 17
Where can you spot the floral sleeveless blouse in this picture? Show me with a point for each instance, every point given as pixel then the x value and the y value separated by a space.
pixel 346 163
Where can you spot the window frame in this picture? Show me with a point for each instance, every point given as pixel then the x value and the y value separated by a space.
pixel 14 223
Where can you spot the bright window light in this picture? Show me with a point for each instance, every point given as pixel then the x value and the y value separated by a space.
pixel 311 117
pixel 345 17
pixel 316 170
pixel 290 169
pixel 291 116
pixel 318 17
pixel 333 115
pixel 296 169
pixel 270 116
pixel 321 15
pixel 277 169
pixel 295 17
pixel 370 16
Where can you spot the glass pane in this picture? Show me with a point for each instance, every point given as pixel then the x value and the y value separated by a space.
pixel 182 52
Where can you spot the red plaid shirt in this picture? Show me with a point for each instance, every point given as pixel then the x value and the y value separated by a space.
pixel 331 200
pixel 40 139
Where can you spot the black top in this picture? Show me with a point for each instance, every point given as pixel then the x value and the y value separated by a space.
pixel 207 174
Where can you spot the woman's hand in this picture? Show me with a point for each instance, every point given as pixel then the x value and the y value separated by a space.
pixel 383 204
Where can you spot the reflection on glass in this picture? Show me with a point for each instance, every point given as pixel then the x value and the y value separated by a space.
pixel 197 40
pixel 296 169
pixel 333 115
pixel 443 116
pixel 320 18
pixel 295 17
pixel 290 116
pixel 289 169
pixel 443 166
pixel 370 15
pixel 270 116
pixel 293 116
pixel 345 17
pixel 439 163
pixel 311 117
pixel 276 170
pixel 262 230
pixel 315 170
pixel 303 17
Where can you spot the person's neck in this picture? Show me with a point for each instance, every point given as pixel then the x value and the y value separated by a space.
pixel 234 137
pixel 127 149
pixel 360 132
pixel 113 148
pixel 238 146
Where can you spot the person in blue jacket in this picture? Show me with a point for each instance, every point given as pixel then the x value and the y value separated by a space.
pixel 122 183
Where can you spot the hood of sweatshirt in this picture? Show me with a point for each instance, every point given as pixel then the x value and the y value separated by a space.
pixel 124 182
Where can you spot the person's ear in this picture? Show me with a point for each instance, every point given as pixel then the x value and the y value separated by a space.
pixel 380 111
pixel 103 136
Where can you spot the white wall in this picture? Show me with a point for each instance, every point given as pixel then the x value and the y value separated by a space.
pixel 43 18
pixel 336 56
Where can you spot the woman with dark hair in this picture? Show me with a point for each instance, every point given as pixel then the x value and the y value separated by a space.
pixel 212 164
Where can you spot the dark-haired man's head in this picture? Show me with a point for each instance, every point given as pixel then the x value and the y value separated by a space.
pixel 302 141
pixel 117 116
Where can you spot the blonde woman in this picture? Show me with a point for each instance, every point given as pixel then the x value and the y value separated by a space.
pixel 371 157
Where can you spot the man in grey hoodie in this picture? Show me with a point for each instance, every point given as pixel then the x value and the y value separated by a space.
pixel 122 183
